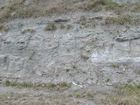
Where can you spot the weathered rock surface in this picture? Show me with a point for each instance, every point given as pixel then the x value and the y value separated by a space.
pixel 86 56
pixel 100 55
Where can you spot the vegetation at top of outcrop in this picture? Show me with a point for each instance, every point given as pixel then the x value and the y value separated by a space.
pixel 18 9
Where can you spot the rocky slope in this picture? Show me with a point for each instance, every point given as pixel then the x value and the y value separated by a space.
pixel 82 48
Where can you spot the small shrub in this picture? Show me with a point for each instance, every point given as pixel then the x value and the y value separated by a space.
pixel 97 8
pixel 121 20
pixel 136 8
pixel 69 26
pixel 62 26
pixel 93 24
pixel 114 66
pixel 74 67
pixel 51 85
pixel 103 2
pixel 82 18
pixel 67 70
pixel 5 58
pixel 25 85
pixel 108 80
pixel 75 1
pixel 112 6
pixel 19 85
pixel 7 83
pixel 136 21
pixel 3 28
pixel 84 23
pixel 89 95
pixel 50 27
pixel 28 30
pixel 110 20
pixel 78 95
pixel 63 84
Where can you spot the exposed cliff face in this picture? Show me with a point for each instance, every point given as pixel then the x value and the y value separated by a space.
pixel 72 51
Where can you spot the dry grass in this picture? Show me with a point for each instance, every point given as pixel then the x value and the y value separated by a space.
pixel 18 9
pixel 127 95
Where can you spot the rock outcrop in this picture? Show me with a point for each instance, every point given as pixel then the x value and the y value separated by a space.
pixel 96 55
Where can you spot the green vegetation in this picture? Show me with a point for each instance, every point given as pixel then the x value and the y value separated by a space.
pixel 69 26
pixel 82 18
pixel 112 6
pixel 19 85
pixel 61 85
pixel 115 66
pixel 28 30
pixel 37 8
pixel 137 7
pixel 67 70
pixel 5 58
pixel 74 67
pixel 50 27
pixel 108 80
pixel 75 1
pixel 121 20
pixel 64 84
pixel 98 8
pixel 127 95
pixel 62 26
pixel 51 85
pixel 4 28
pixel 89 95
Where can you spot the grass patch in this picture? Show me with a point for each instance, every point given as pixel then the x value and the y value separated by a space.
pixel 115 66
pixel 69 26
pixel 137 7
pixel 28 30
pixel 62 26
pixel 19 85
pixel 51 85
pixel 4 28
pixel 112 6
pixel 50 27
pixel 121 20
pixel 127 95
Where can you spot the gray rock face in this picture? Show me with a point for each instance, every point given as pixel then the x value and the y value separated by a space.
pixel 100 55
pixel 86 56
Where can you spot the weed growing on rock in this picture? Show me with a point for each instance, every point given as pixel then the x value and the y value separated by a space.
pixel 5 58
pixel 112 6
pixel 89 95
pixel 121 20
pixel 82 18
pixel 51 85
pixel 62 26
pixel 114 66
pixel 7 83
pixel 136 8
pixel 18 85
pixel 4 28
pixel 74 67
pixel 75 1
pixel 67 70
pixel 50 27
pixel 28 30
pixel 69 26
